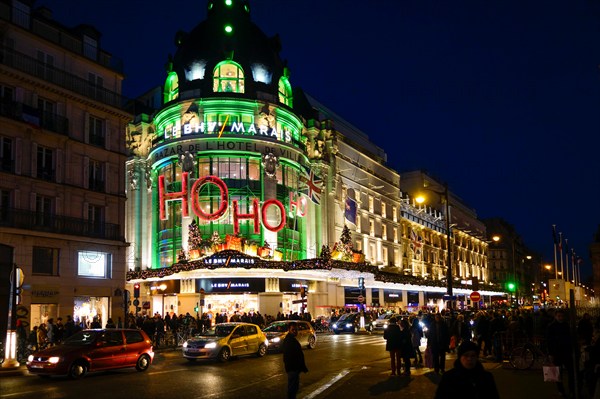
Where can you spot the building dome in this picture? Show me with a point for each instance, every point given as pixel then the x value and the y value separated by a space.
pixel 228 36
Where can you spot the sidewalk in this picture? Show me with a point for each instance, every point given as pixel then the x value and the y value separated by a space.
pixel 374 380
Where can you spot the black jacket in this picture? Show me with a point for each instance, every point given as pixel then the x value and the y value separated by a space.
pixel 460 383
pixel 293 357
pixel 392 337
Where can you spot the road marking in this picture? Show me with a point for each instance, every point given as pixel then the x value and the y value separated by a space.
pixel 327 385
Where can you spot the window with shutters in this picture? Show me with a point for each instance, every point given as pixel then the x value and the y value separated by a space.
pixel 96 176
pixel 96 131
pixel 45 163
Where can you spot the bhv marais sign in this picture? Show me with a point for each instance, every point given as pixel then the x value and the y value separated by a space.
pixel 258 214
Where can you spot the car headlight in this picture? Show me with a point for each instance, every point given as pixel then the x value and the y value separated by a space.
pixel 30 358
pixel 276 339
pixel 385 326
pixel 184 344
pixel 348 325
pixel 54 359
pixel 334 325
pixel 211 345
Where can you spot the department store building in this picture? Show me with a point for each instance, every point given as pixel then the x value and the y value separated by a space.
pixel 245 194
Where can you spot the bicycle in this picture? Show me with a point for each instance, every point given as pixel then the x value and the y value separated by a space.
pixel 523 357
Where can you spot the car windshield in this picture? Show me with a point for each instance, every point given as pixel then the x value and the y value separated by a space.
pixel 386 316
pixel 347 316
pixel 219 330
pixel 82 338
pixel 276 327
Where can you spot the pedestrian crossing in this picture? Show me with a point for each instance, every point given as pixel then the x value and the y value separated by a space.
pixel 353 339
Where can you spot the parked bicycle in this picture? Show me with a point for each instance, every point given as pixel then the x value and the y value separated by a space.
pixel 524 356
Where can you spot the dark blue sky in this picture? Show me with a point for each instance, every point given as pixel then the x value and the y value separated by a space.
pixel 499 98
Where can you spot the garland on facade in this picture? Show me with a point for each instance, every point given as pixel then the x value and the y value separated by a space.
pixel 233 258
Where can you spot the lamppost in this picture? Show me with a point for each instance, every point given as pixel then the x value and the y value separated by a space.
pixel 449 280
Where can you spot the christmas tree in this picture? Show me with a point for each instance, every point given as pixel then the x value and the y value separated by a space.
pixel 194 236
pixel 346 237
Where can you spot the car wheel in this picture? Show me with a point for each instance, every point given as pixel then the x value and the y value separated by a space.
pixel 78 369
pixel 143 363
pixel 262 350
pixel 312 342
pixel 224 355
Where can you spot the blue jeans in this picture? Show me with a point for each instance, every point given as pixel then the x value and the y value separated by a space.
pixel 293 384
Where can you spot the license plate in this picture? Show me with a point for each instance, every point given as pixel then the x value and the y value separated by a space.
pixel 36 366
pixel 193 350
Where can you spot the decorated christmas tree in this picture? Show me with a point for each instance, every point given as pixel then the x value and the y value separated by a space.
pixel 194 236
pixel 325 252
pixel 346 237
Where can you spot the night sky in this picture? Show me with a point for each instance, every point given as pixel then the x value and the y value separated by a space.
pixel 500 98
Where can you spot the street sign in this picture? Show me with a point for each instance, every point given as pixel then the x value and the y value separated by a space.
pixel 299 301
pixel 361 299
pixel 475 296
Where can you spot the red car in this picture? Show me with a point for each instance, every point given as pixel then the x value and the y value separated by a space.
pixel 94 350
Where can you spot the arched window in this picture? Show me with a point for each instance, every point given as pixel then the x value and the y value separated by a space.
pixel 285 91
pixel 228 77
pixel 171 91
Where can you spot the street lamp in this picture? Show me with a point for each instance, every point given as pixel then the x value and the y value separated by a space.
pixel 511 285
pixel 444 193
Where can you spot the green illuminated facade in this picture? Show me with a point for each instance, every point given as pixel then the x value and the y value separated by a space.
pixel 237 179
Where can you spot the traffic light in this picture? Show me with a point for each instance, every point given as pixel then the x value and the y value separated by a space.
pixel 136 290
pixel 511 286
pixel 196 308
pixel 361 283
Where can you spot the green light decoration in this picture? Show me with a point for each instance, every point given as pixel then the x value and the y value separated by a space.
pixel 511 286
pixel 228 3
pixel 228 28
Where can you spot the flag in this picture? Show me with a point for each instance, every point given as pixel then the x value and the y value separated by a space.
pixel 313 185
pixel 416 241
pixel 560 242
pixel 350 210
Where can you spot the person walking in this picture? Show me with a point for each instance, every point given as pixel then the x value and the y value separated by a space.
pixel 406 348
pixel 438 340
pixel 293 360
pixel 467 379
pixel 392 337
pixel 416 333
pixel 560 349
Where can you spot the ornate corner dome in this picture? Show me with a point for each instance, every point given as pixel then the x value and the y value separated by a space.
pixel 227 55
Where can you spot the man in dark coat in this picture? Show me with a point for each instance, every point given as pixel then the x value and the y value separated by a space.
pixel 438 341
pixel 293 360
pixel 468 378
pixel 560 349
pixel 392 343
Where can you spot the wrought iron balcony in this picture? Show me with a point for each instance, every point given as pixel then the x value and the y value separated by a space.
pixel 37 221
pixel 35 117
pixel 59 77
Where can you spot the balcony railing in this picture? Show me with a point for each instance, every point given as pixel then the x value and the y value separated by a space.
pixel 33 116
pixel 37 221
pixel 51 74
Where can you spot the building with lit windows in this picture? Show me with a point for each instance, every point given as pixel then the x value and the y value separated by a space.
pixel 245 194
pixel 62 169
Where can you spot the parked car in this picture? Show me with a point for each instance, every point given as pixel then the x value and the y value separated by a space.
pixel 350 322
pixel 225 340
pixel 278 330
pixel 94 350
pixel 380 323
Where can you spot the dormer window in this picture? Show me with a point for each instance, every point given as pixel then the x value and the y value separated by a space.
pixel 228 77
pixel 285 91
pixel 171 87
